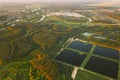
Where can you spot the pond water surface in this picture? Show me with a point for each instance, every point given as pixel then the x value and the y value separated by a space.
pixel 107 52
pixel 103 66
pixel 81 46
pixel 71 57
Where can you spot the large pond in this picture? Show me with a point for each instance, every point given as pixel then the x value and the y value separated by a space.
pixel 107 52
pixel 81 46
pixel 71 57
pixel 103 66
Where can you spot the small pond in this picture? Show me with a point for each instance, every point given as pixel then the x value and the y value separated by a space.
pixel 106 52
pixel 81 46
pixel 71 57
pixel 103 67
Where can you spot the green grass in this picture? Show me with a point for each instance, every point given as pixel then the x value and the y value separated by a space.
pixel 88 57
pixel 15 69
pixel 84 75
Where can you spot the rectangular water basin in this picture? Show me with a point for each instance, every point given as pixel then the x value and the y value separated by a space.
pixel 103 67
pixel 81 46
pixel 106 52
pixel 71 57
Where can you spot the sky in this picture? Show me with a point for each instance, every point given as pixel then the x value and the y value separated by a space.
pixel 59 0
pixel 97 2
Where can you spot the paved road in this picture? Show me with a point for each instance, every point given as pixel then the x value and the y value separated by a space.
pixel 43 17
pixel 74 73
pixel 2 29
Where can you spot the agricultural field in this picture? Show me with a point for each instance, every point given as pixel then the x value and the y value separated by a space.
pixel 49 42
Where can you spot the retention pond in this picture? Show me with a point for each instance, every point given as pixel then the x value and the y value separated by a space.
pixel 71 57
